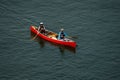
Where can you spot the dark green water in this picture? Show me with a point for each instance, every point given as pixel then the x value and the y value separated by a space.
pixel 96 23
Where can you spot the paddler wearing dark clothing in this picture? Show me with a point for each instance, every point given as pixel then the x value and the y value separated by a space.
pixel 41 28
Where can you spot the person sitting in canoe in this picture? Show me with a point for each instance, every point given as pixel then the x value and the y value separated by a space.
pixel 61 34
pixel 41 28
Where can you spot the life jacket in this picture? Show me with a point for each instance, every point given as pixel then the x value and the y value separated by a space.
pixel 42 28
pixel 62 35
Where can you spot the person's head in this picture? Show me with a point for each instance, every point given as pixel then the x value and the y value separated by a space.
pixel 41 23
pixel 61 29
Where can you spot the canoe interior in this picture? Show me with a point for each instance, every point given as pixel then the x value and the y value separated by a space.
pixel 54 35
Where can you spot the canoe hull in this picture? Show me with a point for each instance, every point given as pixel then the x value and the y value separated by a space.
pixel 65 43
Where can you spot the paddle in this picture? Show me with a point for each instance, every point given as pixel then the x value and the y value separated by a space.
pixel 35 36
pixel 74 37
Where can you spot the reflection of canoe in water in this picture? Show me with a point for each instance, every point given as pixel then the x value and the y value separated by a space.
pixel 52 37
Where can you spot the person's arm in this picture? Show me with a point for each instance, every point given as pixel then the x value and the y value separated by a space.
pixel 44 27
pixel 39 28
pixel 59 35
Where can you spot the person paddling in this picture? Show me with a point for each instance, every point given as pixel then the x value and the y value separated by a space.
pixel 62 34
pixel 41 28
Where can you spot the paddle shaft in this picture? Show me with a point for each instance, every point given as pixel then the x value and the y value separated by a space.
pixel 75 37
pixel 36 34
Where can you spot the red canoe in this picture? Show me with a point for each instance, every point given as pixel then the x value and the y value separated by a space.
pixel 52 37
